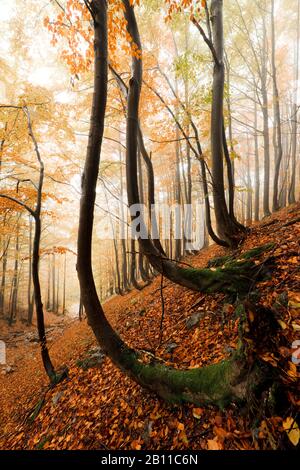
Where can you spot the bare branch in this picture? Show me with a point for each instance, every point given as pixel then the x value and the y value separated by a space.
pixel 20 203
pixel 207 41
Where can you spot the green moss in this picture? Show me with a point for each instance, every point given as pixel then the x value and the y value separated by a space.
pixel 257 251
pixel 236 278
pixel 210 385
pixel 227 274
pixel 219 261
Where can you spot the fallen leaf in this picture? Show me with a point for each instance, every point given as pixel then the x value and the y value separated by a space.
pixel 197 412
pixel 213 444
pixel 292 430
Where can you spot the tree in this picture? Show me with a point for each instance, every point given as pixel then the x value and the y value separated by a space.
pixel 292 188
pixel 277 134
pixel 36 214
pixel 217 384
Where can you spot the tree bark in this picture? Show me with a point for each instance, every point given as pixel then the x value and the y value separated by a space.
pixel 14 284
pixel 292 188
pixel 277 134
pixel 227 229
pixel 29 296
pixel 256 152
pixel 265 105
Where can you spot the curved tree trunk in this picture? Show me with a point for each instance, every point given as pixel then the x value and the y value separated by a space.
pixel 218 384
pixel 226 227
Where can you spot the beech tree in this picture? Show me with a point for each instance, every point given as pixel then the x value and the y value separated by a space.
pixel 231 380
pixel 36 215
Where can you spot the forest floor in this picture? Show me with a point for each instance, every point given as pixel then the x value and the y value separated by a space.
pixel 98 407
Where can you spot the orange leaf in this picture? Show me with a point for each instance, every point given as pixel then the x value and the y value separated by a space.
pixel 213 444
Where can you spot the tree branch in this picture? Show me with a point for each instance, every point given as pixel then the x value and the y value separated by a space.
pixel 206 40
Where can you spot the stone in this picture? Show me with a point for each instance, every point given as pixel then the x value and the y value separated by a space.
pixel 193 320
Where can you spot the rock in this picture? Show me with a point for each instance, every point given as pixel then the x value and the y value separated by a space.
pixel 8 370
pixel 57 397
pixel 94 357
pixel 170 347
pixel 228 349
pixel 193 320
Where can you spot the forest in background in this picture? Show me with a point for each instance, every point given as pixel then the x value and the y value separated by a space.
pixel 191 108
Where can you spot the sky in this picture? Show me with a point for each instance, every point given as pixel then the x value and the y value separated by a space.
pixel 45 70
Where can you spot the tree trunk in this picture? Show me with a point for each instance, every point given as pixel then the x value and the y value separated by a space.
pixel 14 291
pixel 48 304
pixel 53 284
pixel 277 137
pixel 227 229
pixel 38 300
pixel 256 152
pixel 3 279
pixel 177 198
pixel 35 264
pixel 64 284
pixel 292 188
pixel 29 296
pixel 141 190
pixel 122 234
pixel 57 292
pixel 265 104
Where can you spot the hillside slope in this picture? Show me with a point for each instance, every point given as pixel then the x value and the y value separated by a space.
pixel 99 408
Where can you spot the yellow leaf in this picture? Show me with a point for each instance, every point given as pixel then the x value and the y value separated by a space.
pixel 282 324
pixel 292 430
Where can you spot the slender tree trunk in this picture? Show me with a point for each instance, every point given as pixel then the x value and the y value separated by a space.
pixel 265 111
pixel 29 296
pixel 249 190
pixel 57 291
pixel 116 251
pixel 14 292
pixel 141 190
pixel 53 284
pixel 64 284
pixel 177 198
pixel 3 279
pixel 277 134
pixel 122 234
pixel 257 176
pixel 35 265
pixel 227 229
pixel 292 188
pixel 48 304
